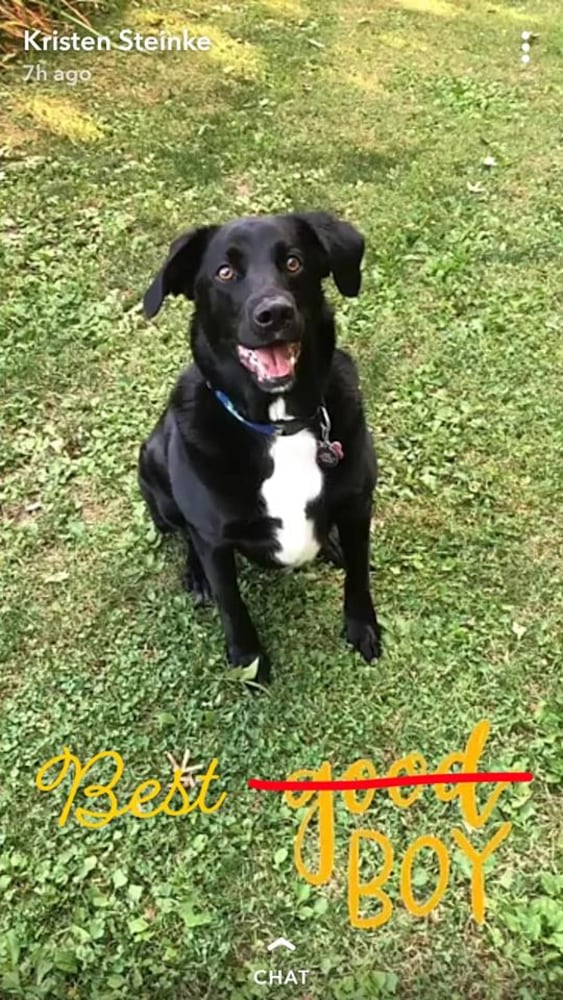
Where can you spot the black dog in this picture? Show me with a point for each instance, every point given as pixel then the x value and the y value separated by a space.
pixel 263 448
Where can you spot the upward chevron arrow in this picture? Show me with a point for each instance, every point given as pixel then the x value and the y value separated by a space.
pixel 281 942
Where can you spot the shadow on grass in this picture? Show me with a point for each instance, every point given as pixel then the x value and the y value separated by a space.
pixel 353 164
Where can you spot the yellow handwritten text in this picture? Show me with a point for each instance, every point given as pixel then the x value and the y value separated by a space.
pixel 176 801
pixel 318 825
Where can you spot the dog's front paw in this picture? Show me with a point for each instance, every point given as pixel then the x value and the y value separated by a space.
pixel 253 668
pixel 365 637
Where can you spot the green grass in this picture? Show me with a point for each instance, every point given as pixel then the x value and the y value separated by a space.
pixel 384 113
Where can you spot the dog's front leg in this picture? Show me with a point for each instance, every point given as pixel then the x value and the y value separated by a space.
pixel 243 644
pixel 362 628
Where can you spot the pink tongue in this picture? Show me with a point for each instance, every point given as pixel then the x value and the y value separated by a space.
pixel 275 362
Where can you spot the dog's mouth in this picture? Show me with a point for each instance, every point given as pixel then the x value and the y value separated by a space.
pixel 272 366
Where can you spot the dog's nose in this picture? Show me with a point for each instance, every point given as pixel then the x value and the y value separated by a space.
pixel 273 313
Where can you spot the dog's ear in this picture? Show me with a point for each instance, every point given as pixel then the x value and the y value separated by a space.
pixel 177 274
pixel 343 246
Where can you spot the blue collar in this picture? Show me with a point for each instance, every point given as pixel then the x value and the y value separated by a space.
pixel 292 426
pixel 268 429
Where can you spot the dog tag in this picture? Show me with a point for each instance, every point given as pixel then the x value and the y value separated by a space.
pixel 329 454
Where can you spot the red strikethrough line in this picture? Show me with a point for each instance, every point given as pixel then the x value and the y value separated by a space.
pixel 447 778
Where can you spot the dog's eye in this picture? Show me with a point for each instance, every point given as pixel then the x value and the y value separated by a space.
pixel 293 264
pixel 226 273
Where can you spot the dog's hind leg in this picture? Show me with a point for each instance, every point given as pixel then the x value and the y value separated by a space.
pixel 155 488
pixel 194 578
pixel 166 527
pixel 331 550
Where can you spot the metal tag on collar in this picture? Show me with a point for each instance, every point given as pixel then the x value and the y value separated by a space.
pixel 329 453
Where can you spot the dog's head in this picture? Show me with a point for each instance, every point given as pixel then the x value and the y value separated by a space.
pixel 257 285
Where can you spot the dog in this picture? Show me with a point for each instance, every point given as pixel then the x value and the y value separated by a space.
pixel 263 448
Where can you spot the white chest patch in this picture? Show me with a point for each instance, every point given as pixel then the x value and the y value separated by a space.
pixel 296 480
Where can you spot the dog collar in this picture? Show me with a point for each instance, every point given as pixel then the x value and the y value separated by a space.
pixel 292 426
pixel 329 453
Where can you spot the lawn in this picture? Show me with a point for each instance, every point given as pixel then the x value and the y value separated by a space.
pixel 384 112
